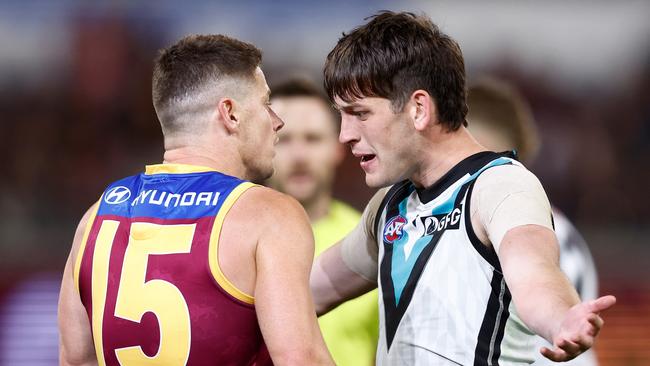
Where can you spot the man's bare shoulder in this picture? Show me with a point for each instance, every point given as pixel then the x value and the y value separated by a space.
pixel 274 222
pixel 268 206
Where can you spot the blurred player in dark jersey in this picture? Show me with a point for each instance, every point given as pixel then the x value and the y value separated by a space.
pixel 189 263
pixel 501 119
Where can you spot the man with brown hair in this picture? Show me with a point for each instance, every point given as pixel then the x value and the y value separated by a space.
pixel 307 155
pixel 500 119
pixel 461 244
pixel 189 263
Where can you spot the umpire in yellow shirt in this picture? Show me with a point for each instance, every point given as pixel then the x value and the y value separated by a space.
pixel 307 155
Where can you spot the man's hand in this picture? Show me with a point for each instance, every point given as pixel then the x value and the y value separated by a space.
pixel 578 329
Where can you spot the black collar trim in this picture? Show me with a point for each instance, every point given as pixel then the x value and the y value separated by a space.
pixel 469 165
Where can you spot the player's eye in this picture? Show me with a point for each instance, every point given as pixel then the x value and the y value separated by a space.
pixel 314 138
pixel 361 114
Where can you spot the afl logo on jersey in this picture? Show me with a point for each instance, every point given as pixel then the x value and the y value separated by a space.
pixel 393 229
pixel 117 195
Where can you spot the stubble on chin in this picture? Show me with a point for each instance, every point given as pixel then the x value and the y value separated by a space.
pixel 260 176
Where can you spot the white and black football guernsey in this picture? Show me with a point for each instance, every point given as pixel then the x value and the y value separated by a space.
pixel 444 300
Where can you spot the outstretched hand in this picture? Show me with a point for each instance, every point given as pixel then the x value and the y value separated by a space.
pixel 578 329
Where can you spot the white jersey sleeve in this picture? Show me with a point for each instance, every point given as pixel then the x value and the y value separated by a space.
pixel 359 248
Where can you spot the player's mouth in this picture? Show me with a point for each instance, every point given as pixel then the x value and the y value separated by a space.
pixel 367 160
pixel 300 177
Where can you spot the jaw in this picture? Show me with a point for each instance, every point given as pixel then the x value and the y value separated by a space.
pixel 375 177
pixel 259 173
pixel 385 176
pixel 376 180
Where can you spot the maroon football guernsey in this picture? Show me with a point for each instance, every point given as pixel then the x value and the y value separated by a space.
pixel 148 275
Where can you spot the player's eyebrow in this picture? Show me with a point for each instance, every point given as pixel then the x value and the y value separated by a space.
pixel 350 107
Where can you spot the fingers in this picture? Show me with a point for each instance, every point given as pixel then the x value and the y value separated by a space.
pixel 596 323
pixel 580 327
pixel 583 343
pixel 602 303
pixel 571 348
pixel 565 350
pixel 555 355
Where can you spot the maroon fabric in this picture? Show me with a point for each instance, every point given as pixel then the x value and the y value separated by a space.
pixel 224 331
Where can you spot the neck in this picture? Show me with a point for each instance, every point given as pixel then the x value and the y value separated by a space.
pixel 205 155
pixel 443 153
pixel 318 207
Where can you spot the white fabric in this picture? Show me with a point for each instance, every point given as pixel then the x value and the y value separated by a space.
pixel 443 320
pixel 359 248
pixel 503 197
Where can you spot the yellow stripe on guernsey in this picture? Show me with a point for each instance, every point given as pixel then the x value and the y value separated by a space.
pixel 176 169
pixel 82 246
pixel 214 245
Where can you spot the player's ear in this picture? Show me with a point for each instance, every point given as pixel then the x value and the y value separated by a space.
pixel 226 110
pixel 422 109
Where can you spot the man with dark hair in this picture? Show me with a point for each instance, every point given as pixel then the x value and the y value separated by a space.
pixel 187 263
pixel 500 119
pixel 461 244
pixel 307 155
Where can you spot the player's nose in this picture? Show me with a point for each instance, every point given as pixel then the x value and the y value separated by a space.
pixel 348 134
pixel 278 123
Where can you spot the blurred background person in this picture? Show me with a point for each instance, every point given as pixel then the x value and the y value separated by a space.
pixel 307 156
pixel 501 119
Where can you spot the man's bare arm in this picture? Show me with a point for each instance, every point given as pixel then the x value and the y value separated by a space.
pixel 511 209
pixel 543 296
pixel 283 302
pixel 333 283
pixel 349 268
pixel 75 344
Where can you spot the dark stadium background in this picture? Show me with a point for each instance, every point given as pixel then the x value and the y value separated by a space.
pixel 76 114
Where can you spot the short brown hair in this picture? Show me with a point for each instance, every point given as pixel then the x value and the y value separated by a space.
pixel 395 54
pixel 298 87
pixel 197 60
pixel 501 107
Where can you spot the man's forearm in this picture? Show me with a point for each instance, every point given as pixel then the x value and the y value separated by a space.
pixel 543 296
pixel 323 291
pixel 541 292
pixel 332 282
pixel 543 301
